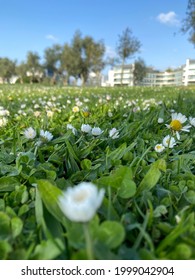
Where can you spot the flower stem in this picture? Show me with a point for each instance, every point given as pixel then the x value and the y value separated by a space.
pixel 109 202
pixel 89 246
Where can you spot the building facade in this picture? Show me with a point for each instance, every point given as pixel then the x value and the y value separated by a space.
pixel 189 72
pixel 185 75
pixel 167 78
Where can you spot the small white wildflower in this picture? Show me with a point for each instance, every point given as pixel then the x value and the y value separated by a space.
pixel 49 103
pixel 3 121
pixel 70 126
pixel 53 98
pixel 114 133
pixel 136 109
pixel 30 133
pixel 160 120
pixel 4 112
pixel 169 141
pixel 159 148
pixel 20 112
pixel 23 106
pixel 37 114
pixel 50 114
pixel 96 131
pixel 36 106
pixel 79 103
pixel 192 121
pixel 75 109
pixel 176 124
pixel 81 202
pixel 45 136
pixel 110 114
pixel 86 128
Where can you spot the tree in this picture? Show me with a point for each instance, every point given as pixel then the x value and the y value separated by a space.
pixel 70 62
pixel 21 71
pixel 34 67
pixel 111 61
pixel 52 61
pixel 98 62
pixel 128 45
pixel 189 22
pixel 7 68
pixel 139 71
pixel 83 56
pixel 169 70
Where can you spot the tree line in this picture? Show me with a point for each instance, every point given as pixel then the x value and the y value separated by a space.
pixel 78 59
pixel 83 56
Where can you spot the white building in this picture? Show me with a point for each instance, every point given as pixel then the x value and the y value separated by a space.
pixel 167 78
pixel 125 77
pixel 185 75
pixel 189 72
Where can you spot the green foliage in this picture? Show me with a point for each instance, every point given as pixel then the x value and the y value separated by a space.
pixel 189 21
pixel 140 71
pixel 148 208
pixel 7 68
pixel 50 195
pixel 128 45
pixel 152 176
pixel 111 233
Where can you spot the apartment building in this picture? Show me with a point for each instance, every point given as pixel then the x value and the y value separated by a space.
pixel 167 78
pixel 185 75
pixel 189 72
pixel 125 77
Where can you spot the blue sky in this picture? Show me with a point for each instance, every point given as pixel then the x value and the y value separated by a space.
pixel 38 24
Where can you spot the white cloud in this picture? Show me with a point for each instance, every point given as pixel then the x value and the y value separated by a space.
pixel 51 37
pixel 169 18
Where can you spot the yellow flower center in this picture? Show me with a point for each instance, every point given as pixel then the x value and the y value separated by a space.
pixel 79 197
pixel 85 114
pixel 176 125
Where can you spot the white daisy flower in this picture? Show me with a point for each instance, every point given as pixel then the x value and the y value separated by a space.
pixel 4 112
pixel 46 136
pixel 110 114
pixel 160 120
pixel 85 112
pixel 176 124
pixel 114 133
pixel 159 148
pixel 36 106
pixel 192 121
pixel 37 114
pixel 169 142
pixel 96 131
pixel 75 109
pixel 86 128
pixel 3 121
pixel 80 203
pixel 30 133
pixel 50 114
pixel 23 106
pixel 70 126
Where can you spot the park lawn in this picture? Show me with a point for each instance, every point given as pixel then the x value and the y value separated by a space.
pixel 137 144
